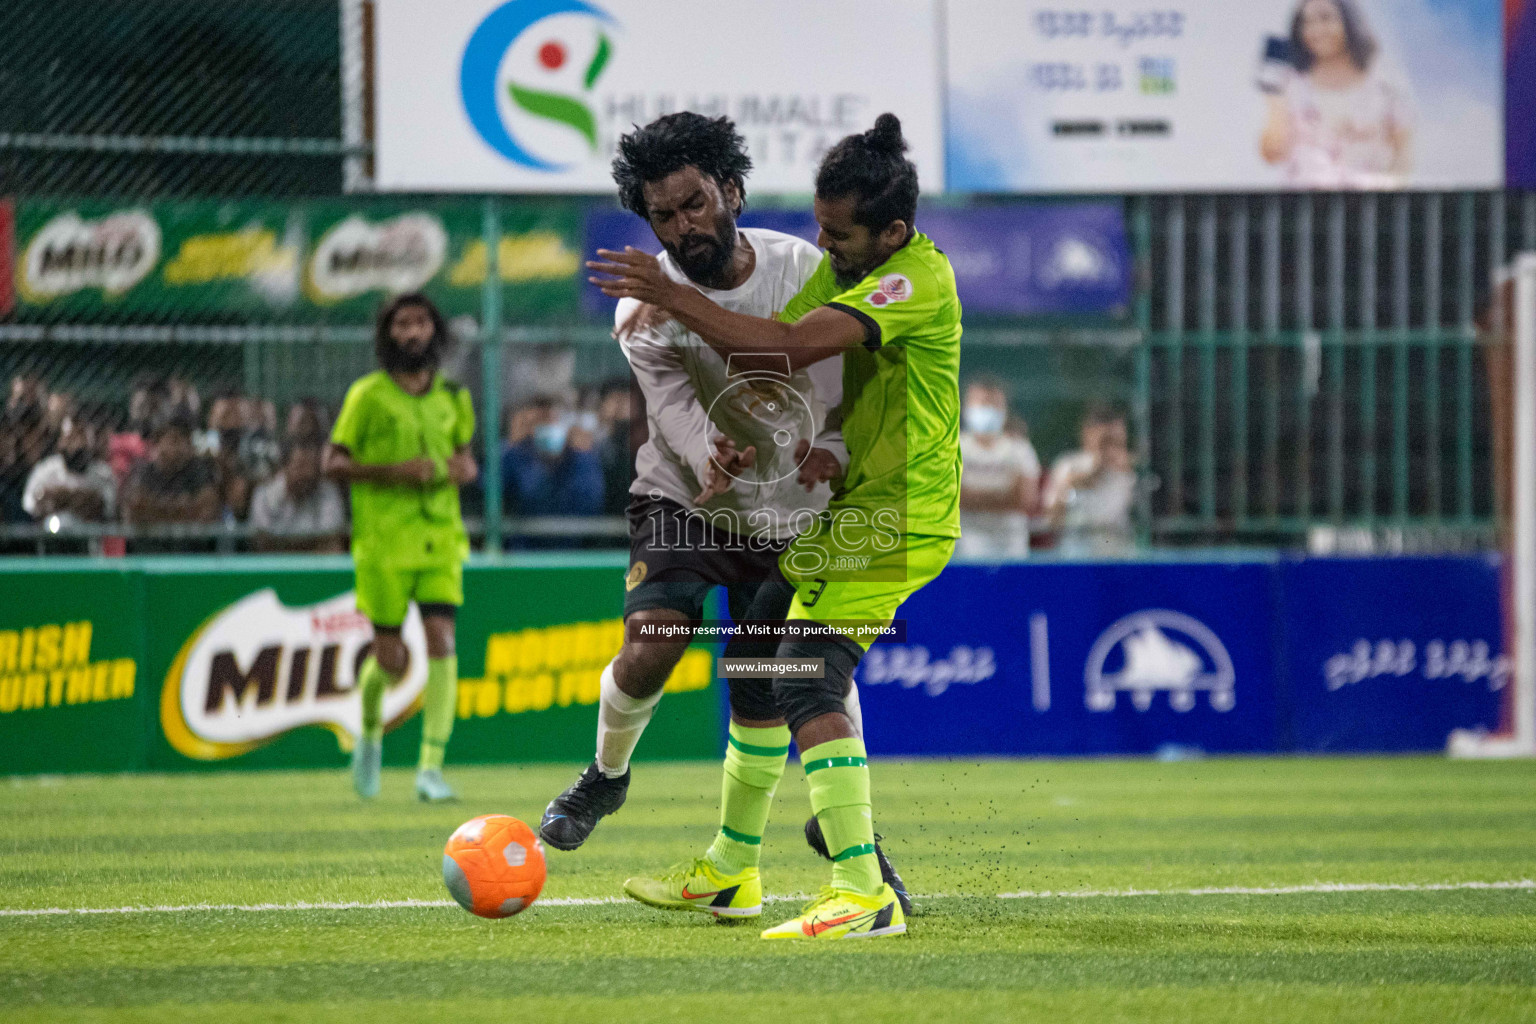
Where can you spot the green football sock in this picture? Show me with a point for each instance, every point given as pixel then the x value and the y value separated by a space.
pixel 438 705
pixel 754 763
pixel 839 781
pixel 372 681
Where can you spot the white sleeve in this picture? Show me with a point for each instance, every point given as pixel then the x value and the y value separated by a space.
pixel 827 379
pixel 38 481
pixel 105 483
pixel 671 402
pixel 262 518
pixel 333 514
pixel 1028 461
pixel 1063 467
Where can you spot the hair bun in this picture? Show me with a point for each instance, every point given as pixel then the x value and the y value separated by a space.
pixel 885 136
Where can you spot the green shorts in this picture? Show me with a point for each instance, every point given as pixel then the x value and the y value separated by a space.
pixel 385 592
pixel 857 602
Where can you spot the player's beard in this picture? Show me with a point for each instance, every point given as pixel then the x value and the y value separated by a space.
pixel 848 275
pixel 704 259
pixel 402 361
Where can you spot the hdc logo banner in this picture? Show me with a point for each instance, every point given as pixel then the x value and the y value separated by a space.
pixel 532 95
pixel 1078 659
pixel 1122 658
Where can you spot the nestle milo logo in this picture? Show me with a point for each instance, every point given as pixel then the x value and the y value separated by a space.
pixel 358 256
pixel 70 254
pixel 259 669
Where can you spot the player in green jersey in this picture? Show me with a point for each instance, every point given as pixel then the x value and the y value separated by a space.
pixel 884 298
pixel 402 442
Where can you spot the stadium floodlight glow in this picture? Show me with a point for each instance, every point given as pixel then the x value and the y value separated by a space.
pixel 1517 734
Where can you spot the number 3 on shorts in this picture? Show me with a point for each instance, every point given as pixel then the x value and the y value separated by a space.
pixel 810 599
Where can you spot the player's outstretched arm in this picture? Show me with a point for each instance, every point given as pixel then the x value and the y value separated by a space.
pixel 818 335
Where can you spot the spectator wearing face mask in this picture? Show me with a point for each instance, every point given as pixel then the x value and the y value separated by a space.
pixel 73 483
pixel 999 479
pixel 222 443
pixel 1092 491
pixel 549 463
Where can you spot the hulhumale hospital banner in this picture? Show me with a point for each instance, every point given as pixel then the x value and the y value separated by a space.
pixel 532 95
pixel 1124 95
pixel 1520 92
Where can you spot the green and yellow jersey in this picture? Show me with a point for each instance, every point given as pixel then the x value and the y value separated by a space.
pixel 901 389
pixel 405 527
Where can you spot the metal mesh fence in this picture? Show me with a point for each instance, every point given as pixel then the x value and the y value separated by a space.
pixel 161 97
pixel 184 186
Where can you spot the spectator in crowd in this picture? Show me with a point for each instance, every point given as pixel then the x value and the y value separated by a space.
pixel 27 392
pixel 307 420
pixel 147 404
pixel 24 442
pixel 13 475
pixel 58 407
pixel 260 452
pixel 174 484
pixel 615 447
pixel 73 483
pixel 181 394
pixel 1091 491
pixel 1000 477
pixel 298 509
pixel 549 463
pixel 221 443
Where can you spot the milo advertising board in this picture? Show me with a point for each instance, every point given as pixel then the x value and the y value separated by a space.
pixel 171 665
pixel 300 262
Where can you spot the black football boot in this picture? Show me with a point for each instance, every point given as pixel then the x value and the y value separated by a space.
pixel 816 841
pixel 570 817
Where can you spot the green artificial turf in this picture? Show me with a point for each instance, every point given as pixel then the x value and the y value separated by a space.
pixel 962 832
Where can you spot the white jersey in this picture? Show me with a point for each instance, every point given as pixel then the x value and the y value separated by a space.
pixel 693 396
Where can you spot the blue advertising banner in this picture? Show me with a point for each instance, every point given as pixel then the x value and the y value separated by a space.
pixel 1391 654
pixel 1321 655
pixel 1078 659
pixel 1034 259
pixel 1520 93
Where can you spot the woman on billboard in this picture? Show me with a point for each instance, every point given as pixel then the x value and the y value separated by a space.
pixel 1334 120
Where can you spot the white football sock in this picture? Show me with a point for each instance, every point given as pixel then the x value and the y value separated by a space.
pixel 620 721
pixel 851 705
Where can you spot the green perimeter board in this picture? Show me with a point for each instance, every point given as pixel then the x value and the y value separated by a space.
pixel 498 599
pixel 302 261
pixel 81 725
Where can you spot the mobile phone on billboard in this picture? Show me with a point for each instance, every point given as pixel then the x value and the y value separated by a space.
pixel 1275 64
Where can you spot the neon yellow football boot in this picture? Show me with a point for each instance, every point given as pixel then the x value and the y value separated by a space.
pixel 699 886
pixel 841 914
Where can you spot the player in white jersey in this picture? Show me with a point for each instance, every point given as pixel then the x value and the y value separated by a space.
pixel 735 463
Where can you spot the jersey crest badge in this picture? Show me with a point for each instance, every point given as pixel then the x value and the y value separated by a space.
pixel 636 576
pixel 893 288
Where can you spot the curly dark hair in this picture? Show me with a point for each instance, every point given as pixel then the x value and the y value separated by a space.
pixel 871 166
pixel 1357 38
pixel 674 141
pixel 384 347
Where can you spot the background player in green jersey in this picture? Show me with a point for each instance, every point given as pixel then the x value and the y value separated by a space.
pixel 884 298
pixel 402 442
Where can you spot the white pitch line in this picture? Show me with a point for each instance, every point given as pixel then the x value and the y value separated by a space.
pixel 596 901
pixel 1278 890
